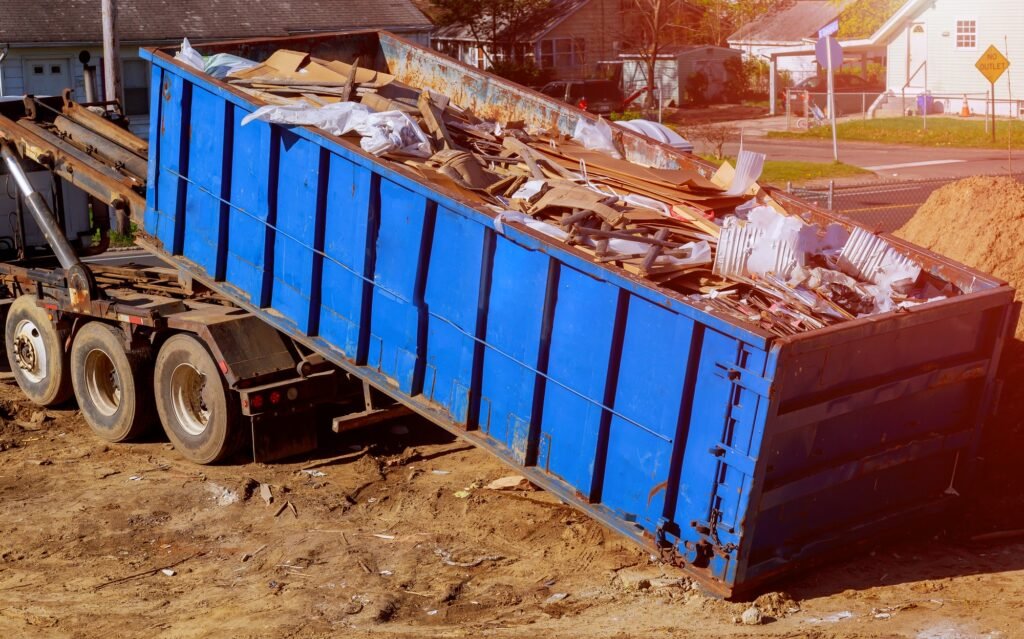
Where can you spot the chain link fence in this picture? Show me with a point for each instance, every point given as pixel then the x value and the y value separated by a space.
pixel 885 205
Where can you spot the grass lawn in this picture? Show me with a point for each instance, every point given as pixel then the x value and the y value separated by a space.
pixel 941 132
pixel 779 172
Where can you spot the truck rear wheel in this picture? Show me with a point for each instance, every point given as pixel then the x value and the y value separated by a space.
pixel 112 385
pixel 35 350
pixel 192 399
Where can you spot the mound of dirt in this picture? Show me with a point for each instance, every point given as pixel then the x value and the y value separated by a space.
pixel 978 221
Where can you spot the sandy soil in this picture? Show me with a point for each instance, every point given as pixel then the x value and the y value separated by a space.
pixel 393 536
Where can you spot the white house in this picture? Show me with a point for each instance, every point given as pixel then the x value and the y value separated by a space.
pixel 787 31
pixel 933 45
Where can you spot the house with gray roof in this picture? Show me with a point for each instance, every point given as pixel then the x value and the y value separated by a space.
pixel 568 39
pixel 40 42
pixel 787 30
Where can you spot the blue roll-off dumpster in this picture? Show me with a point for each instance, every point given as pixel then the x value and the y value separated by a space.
pixel 727 450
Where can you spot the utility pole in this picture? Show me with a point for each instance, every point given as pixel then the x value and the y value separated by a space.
pixel 111 53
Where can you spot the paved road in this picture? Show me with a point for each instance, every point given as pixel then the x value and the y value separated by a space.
pixel 891 161
pixel 885 206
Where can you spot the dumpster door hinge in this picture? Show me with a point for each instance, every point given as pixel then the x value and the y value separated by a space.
pixel 744 378
pixel 709 530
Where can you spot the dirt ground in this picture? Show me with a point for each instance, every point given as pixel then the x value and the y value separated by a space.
pixel 390 534
pixel 713 114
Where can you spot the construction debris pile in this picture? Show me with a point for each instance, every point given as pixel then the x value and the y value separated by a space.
pixel 721 240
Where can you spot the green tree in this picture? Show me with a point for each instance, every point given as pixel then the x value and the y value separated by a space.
pixel 653 25
pixel 721 18
pixel 864 17
pixel 497 25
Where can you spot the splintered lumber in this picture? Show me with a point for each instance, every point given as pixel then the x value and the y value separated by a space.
pixel 525 152
pixel 346 91
pixel 433 118
pixel 705 225
pixel 574 196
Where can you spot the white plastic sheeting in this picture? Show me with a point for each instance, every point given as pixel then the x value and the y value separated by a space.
pixel 381 132
pixel 596 136
pixel 219 65
pixel 657 131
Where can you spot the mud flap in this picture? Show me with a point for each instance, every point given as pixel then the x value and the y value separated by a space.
pixel 279 437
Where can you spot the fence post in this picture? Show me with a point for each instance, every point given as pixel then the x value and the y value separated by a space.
pixel 831 192
pixel 789 110
pixel 987 97
pixel 789 187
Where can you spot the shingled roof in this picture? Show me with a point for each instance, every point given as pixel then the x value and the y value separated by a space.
pixel 545 20
pixel 802 19
pixel 78 21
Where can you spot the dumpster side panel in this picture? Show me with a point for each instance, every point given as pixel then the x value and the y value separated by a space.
pixel 581 360
pixel 297 243
pixel 398 312
pixel 170 155
pixel 653 391
pixel 210 132
pixel 351 212
pixel 456 282
pixel 516 333
pixel 253 161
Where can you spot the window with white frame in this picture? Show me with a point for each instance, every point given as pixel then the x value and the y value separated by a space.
pixel 561 52
pixel 966 34
pixel 474 56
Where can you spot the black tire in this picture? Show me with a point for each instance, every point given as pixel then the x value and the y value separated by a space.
pixel 35 350
pixel 114 387
pixel 193 401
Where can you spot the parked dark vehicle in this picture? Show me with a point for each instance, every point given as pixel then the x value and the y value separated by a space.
pixel 853 94
pixel 595 96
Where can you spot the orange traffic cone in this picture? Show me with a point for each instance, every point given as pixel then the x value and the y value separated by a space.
pixel 965 109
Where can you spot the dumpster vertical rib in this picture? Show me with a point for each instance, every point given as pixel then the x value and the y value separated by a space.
pixel 369 266
pixel 419 293
pixel 480 331
pixel 543 353
pixel 270 234
pixel 155 116
pixel 610 387
pixel 1004 330
pixel 319 224
pixel 223 224
pixel 683 424
pixel 178 243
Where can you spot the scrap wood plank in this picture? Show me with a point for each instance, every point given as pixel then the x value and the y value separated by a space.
pixel 363 76
pixel 533 159
pixel 515 146
pixel 574 196
pixel 674 178
pixel 687 213
pixel 434 119
pixel 346 91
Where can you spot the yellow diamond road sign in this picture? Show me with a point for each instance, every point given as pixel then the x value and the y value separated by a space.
pixel 992 64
